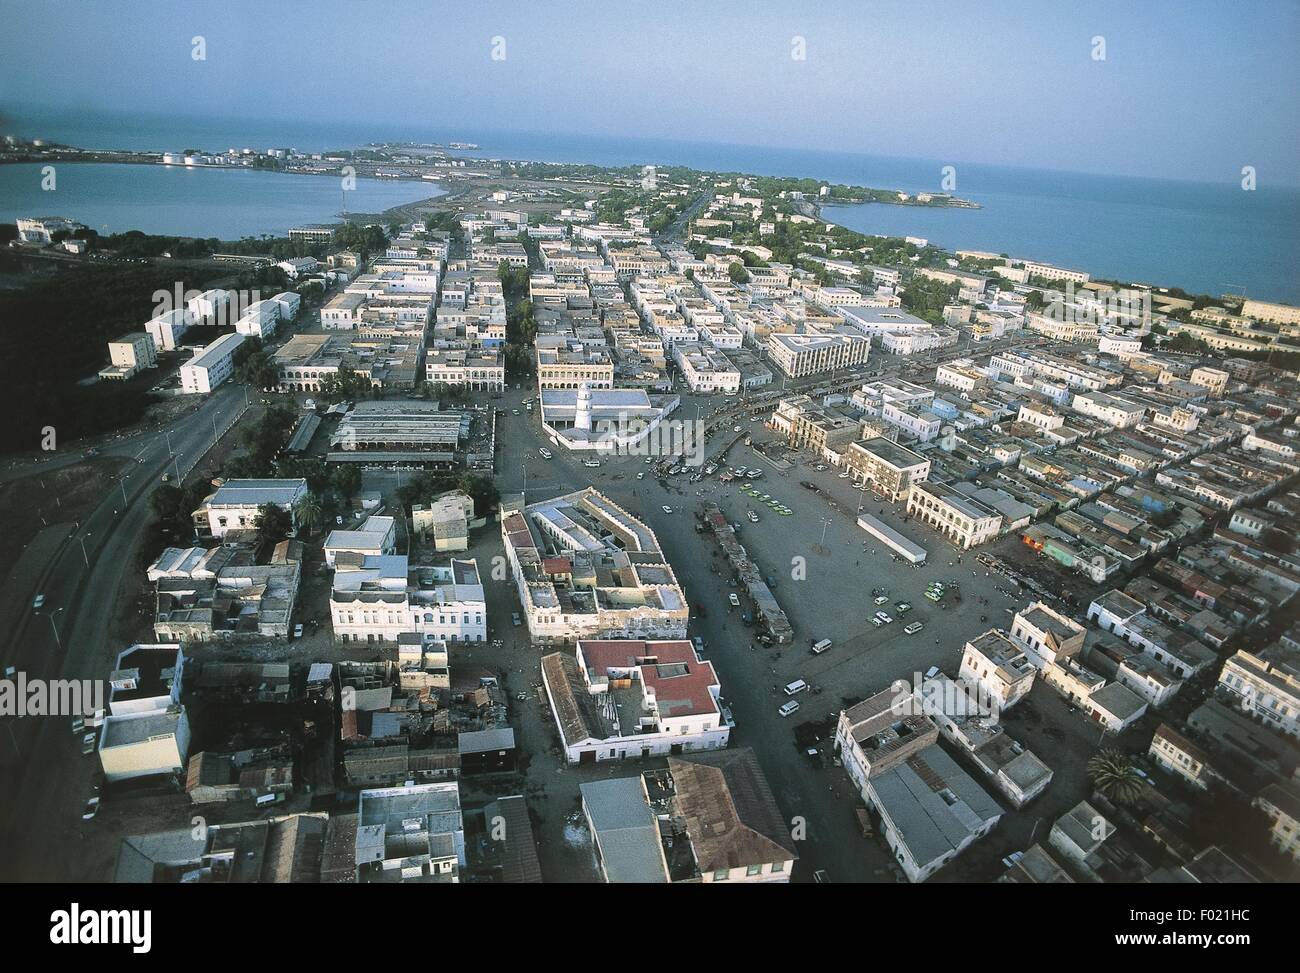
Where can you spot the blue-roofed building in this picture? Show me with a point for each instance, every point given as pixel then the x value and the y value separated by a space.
pixel 624 831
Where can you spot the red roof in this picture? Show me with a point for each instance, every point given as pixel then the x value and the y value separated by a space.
pixel 605 654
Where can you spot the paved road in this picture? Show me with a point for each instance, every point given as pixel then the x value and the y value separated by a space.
pixel 43 776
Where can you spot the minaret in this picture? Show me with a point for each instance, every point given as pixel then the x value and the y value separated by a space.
pixel 582 411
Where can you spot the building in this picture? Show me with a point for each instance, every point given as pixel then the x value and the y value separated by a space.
pixel 129 354
pixel 1281 802
pixel 801 355
pixel 614 699
pixel 1180 756
pixel 705 369
pixel 1078 834
pixel 1115 706
pixel 168 328
pixel 413 833
pixel 146 731
pixel 41 230
pixel 586 568
pixel 730 818
pixel 380 598
pixel 481 371
pixel 964 521
pixel 211 366
pixel 888 468
pixel 375 536
pixel 930 811
pixel 624 831
pixel 807 424
pixel 445 521
pixel 999 667
pixel 1266 686
pixel 1046 635
pixel 234 504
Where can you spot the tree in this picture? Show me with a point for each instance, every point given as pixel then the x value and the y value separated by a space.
pixel 346 479
pixel 1115 777
pixel 1277 541
pixel 272 523
pixel 308 511
pixel 738 273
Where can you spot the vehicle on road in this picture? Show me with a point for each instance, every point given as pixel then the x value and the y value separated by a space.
pixel 88 744
pixel 591 464
pixel 734 599
pixel 753 517
pixel 641 475
pixel 514 412
pixel 515 620
pixel 735 429
pixel 882 599
pixel 884 617
pixel 797 686
pixel 297 631
pixel 788 708
pixel 91 809
pixel 166 477
pixel 667 509
pixel 753 474
pixel 903 607
pixel 546 453
pixel 819 647
pixel 931 672
pixel 37 602
pixel 914 628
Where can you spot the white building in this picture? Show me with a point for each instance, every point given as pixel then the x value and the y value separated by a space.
pixel 999 666
pixel 376 598
pixel 211 366
pixel 614 699
pixel 234 504
pixel 964 521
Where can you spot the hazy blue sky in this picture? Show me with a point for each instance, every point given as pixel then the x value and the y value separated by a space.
pixel 1188 90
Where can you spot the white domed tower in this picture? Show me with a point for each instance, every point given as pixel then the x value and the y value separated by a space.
pixel 582 412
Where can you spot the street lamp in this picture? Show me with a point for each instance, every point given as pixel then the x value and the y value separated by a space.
pixel 57 641
pixel 84 556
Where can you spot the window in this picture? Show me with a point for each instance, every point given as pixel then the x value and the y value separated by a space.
pixel 754 870
pixel 721 875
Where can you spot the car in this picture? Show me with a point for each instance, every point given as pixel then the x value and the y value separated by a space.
pixel 88 744
pixel 166 477
pixel 10 672
pixel 734 599
pixel 649 460
pixel 753 474
pixel 914 628
pixel 515 620
pixel 591 464
pixel 788 708
pixel 37 602
pixel 903 607
pixel 882 599
pixel 546 453
pixel 297 631
pixel 820 468
pixel 710 470
pixel 514 412
pixel 641 475
pixel 673 471
pixel 753 517
pixel 884 617
pixel 667 509
pixel 735 429
pixel 876 621
pixel 78 725
pixel 844 475
pixel 932 672
pixel 91 809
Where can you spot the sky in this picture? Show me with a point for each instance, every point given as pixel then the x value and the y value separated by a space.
pixel 1186 90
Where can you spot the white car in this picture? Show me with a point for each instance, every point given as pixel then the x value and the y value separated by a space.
pixel 37 602
pixel 591 464
pixel 788 708
pixel 753 517
pixel 297 631
pixel 91 809
pixel 641 475
pixel 884 618
pixel 667 509
pixel 735 429
pixel 546 453
pixel 88 744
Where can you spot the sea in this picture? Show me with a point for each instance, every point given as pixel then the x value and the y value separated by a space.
pixel 1213 238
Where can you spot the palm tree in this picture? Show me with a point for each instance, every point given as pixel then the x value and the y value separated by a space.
pixel 308 511
pixel 1115 777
